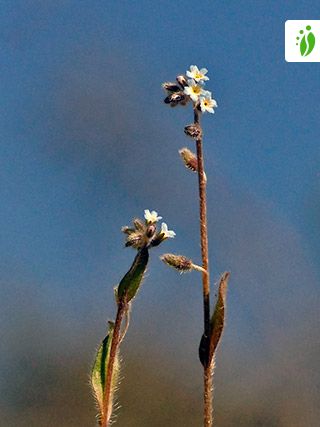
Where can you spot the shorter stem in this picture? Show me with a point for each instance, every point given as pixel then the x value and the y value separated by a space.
pixel 198 268
pixel 116 339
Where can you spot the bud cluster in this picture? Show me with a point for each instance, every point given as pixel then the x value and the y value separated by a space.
pixel 189 159
pixel 144 233
pixel 193 130
pixel 179 262
pixel 190 87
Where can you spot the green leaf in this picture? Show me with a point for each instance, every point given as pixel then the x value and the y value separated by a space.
pixel 130 283
pixel 312 41
pixel 208 345
pixel 303 46
pixel 100 368
pixel 307 44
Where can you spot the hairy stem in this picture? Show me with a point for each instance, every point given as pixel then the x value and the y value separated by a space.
pixel 208 370
pixel 116 340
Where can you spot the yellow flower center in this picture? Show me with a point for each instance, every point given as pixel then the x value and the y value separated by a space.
pixel 196 90
pixel 198 76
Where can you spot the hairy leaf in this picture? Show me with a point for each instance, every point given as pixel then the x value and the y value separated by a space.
pixel 208 345
pixel 99 371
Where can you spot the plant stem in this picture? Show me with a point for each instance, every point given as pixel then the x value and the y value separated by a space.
pixel 208 370
pixel 116 339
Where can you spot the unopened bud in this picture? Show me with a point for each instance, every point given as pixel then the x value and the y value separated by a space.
pixel 189 158
pixel 127 230
pixel 140 226
pixel 176 98
pixel 193 130
pixel 151 230
pixel 171 87
pixel 179 262
pixel 182 80
pixel 135 240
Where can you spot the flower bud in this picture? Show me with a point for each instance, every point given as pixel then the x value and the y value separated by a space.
pixel 140 226
pixel 171 87
pixel 135 240
pixel 182 80
pixel 193 130
pixel 189 158
pixel 176 98
pixel 179 262
pixel 127 230
pixel 151 229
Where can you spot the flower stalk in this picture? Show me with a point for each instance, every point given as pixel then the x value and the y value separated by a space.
pixel 208 370
pixel 203 102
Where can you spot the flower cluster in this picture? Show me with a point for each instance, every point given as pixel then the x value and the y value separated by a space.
pixel 144 234
pixel 191 87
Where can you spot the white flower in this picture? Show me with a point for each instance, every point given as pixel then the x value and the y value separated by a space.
pixel 193 90
pixel 167 233
pixel 207 103
pixel 151 217
pixel 196 74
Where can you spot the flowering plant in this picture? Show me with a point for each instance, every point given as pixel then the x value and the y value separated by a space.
pixel 190 88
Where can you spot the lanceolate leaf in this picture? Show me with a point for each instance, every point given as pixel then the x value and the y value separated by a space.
pixel 130 283
pixel 312 41
pixel 307 44
pixel 208 345
pixel 100 368
pixel 303 46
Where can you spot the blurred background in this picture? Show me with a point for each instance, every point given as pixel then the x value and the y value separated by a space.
pixel 87 144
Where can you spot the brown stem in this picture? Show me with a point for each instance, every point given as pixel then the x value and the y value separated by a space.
pixel 208 371
pixel 116 339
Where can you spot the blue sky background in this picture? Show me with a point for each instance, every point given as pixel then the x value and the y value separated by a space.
pixel 87 144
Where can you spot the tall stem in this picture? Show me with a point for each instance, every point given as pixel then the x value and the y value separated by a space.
pixel 208 370
pixel 116 339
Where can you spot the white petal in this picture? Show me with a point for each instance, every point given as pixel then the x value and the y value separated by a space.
pixel 164 228
pixel 194 97
pixel 147 214
pixel 206 94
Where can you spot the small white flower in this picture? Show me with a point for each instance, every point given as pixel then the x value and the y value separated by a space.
pixel 207 103
pixel 167 233
pixel 196 74
pixel 151 217
pixel 194 90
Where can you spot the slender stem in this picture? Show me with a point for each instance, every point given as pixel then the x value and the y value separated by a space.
pixel 126 325
pixel 116 339
pixel 198 268
pixel 208 370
